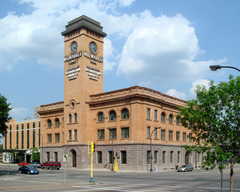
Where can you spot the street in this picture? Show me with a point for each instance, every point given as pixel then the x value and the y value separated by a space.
pixel 105 180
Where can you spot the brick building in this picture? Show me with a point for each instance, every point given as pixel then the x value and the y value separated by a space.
pixel 128 123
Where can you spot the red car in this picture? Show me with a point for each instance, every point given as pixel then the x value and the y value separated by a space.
pixel 23 163
pixel 51 165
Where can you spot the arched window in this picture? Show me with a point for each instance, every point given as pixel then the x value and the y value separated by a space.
pixel 101 117
pixel 75 117
pixel 163 117
pixel 70 118
pixel 125 114
pixel 170 119
pixel 57 122
pixel 49 123
pixel 112 116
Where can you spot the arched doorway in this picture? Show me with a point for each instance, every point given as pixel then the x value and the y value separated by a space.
pixel 187 157
pixel 74 158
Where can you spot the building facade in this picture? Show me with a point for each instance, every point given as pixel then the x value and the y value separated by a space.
pixel 21 136
pixel 128 125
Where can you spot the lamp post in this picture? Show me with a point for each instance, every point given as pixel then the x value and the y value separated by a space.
pixel 216 67
pixel 42 145
pixel 151 147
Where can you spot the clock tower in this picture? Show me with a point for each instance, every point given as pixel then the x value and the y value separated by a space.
pixel 83 75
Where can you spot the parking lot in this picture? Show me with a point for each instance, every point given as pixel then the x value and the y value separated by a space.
pixel 105 180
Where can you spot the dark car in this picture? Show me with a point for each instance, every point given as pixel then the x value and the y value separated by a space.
pixel 36 164
pixel 185 168
pixel 28 169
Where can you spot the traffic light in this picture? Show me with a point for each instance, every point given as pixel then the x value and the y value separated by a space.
pixel 92 147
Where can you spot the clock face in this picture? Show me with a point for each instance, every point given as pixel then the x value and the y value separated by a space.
pixel 93 47
pixel 73 46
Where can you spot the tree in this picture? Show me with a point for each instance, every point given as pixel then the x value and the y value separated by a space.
pixel 35 154
pixel 214 120
pixel 4 114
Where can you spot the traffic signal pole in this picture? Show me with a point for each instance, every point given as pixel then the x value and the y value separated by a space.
pixel 92 151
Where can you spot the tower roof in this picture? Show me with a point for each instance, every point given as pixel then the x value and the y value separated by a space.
pixel 84 22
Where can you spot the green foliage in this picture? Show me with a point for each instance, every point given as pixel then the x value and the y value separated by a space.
pixel 1 146
pixel 35 154
pixel 4 114
pixel 214 119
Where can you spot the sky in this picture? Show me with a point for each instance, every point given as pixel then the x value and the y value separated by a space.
pixel 165 45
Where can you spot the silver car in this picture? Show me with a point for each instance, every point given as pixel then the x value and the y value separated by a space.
pixel 185 168
pixel 36 164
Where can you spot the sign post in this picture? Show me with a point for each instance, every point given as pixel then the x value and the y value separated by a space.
pixel 65 159
pixel 92 151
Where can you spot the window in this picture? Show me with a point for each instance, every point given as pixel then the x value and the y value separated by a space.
pixel 49 137
pixel 101 117
pixel 75 118
pixel 113 116
pixel 112 133
pixel 148 157
pixel 170 135
pixel 125 132
pixel 27 136
pixel 110 155
pixel 57 137
pixel 155 114
pixel 22 138
pixel 125 114
pixel 177 120
pixel 190 137
pixel 70 135
pixel 163 134
pixel 163 156
pixel 148 113
pixel 178 157
pixel 33 134
pixel 155 132
pixel 75 134
pixel 10 138
pixel 70 118
pixel 177 136
pixel 184 136
pixel 148 132
pixel 17 138
pixel 55 156
pixel 57 122
pixel 49 123
pixel 99 157
pixel 123 157
pixel 155 156
pixel 101 134
pixel 170 119
pixel 171 156
pixel 162 117
pixel 48 156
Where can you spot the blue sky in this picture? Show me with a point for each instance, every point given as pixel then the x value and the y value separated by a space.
pixel 166 45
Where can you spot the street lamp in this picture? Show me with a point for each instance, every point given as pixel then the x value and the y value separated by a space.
pixel 42 145
pixel 151 146
pixel 216 67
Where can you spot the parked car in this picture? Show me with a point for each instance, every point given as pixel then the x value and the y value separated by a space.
pixel 23 163
pixel 51 165
pixel 185 168
pixel 28 169
pixel 36 164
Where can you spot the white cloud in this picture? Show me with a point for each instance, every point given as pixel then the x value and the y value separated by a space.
pixel 22 112
pixel 204 82
pixel 108 55
pixel 162 49
pixel 174 93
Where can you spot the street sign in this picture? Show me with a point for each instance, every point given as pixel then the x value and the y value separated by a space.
pixel 65 158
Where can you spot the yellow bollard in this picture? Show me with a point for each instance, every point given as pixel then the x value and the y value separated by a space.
pixel 116 165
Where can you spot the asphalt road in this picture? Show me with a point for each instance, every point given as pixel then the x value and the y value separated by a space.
pixel 104 180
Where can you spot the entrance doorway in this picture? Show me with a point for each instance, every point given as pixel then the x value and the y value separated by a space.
pixel 74 158
pixel 187 157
